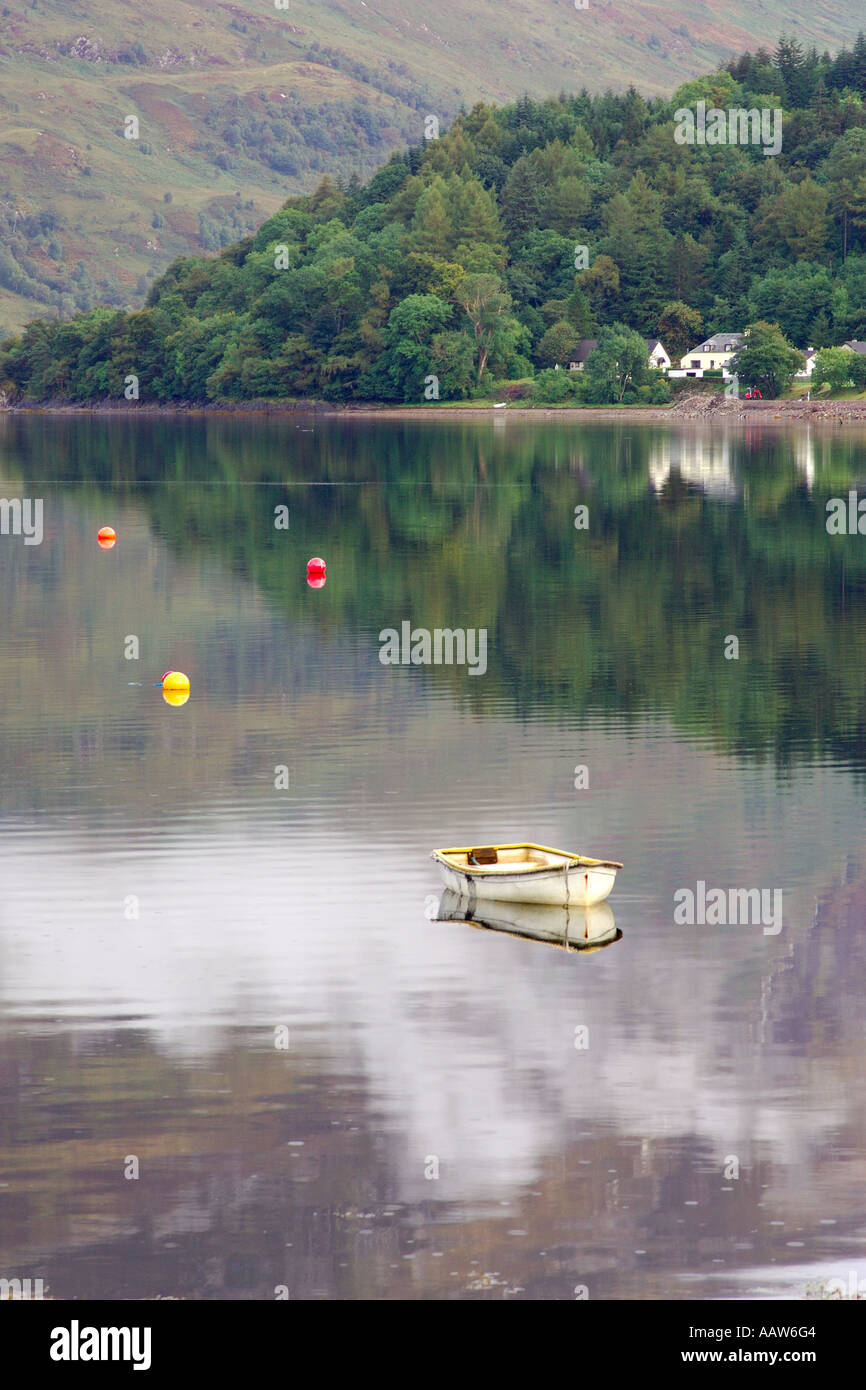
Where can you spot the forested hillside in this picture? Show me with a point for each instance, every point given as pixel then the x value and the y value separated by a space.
pixel 461 259
pixel 241 105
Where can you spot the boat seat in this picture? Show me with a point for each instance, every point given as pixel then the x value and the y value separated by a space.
pixel 506 861
pixel 483 856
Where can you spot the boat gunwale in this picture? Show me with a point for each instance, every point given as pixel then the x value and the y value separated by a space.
pixel 571 860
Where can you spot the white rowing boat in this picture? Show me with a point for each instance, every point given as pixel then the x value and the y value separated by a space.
pixel 526 873
pixel 572 929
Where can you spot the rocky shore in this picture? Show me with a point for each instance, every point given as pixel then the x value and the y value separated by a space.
pixel 700 407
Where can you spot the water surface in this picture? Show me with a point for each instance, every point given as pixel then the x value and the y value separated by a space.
pixel 169 917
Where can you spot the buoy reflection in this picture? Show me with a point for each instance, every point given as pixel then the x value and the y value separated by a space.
pixel 175 697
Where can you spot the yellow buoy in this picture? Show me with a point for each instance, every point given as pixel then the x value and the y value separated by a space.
pixel 175 680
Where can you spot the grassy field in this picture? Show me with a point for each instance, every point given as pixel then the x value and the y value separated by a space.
pixel 241 105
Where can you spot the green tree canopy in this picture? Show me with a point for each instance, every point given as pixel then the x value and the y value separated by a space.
pixel 766 359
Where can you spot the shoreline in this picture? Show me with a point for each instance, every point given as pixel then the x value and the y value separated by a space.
pixel 708 409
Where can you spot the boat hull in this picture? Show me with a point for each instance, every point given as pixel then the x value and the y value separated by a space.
pixel 556 886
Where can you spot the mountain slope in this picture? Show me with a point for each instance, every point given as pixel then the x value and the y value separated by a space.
pixel 242 105
pixel 477 263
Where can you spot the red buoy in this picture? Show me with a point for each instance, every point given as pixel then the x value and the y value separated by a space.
pixel 316 572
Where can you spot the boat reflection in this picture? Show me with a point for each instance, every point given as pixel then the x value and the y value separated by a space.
pixel 572 929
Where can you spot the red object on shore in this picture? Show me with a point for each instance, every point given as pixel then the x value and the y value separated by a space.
pixel 107 537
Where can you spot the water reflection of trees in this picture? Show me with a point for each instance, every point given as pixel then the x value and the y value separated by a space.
pixel 692 536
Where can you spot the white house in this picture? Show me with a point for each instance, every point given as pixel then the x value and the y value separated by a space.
pixel 657 358
pixel 712 353
pixel 811 357
pixel 581 352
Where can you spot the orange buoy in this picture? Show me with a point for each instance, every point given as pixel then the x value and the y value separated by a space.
pixel 107 537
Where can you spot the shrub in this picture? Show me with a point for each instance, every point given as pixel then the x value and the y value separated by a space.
pixel 552 387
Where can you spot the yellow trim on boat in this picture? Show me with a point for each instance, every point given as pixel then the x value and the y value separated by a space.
pixel 526 844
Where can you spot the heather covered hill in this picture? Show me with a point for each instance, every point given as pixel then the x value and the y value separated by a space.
pixel 460 258
pixel 241 105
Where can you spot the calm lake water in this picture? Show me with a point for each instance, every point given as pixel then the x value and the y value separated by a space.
pixel 241 985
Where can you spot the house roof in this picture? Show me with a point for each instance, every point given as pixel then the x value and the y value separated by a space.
pixel 587 345
pixel 719 342
pixel 584 347
pixel 856 346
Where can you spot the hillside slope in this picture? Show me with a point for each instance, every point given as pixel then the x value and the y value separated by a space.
pixel 479 263
pixel 242 105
